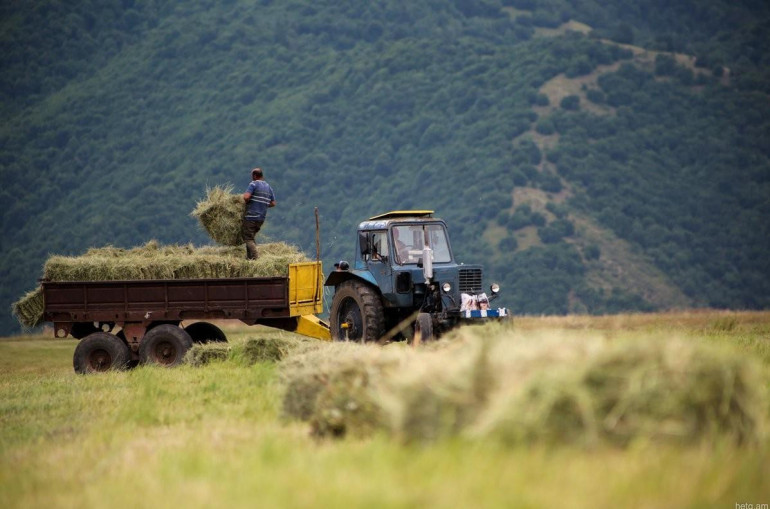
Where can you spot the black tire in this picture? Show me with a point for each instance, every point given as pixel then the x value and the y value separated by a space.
pixel 357 313
pixel 165 345
pixel 204 332
pixel 100 351
pixel 424 327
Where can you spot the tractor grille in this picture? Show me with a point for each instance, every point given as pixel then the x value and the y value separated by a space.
pixel 470 280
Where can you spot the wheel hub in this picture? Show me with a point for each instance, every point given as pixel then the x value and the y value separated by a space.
pixel 165 353
pixel 351 326
pixel 100 360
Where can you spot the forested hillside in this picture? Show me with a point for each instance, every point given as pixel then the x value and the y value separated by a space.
pixel 595 156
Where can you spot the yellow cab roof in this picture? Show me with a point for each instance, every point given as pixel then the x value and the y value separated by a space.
pixel 395 214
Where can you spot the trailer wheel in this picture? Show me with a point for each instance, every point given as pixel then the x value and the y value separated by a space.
pixel 423 327
pixel 204 332
pixel 356 313
pixel 164 345
pixel 100 351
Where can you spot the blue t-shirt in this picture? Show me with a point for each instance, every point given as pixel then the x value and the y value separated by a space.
pixel 261 196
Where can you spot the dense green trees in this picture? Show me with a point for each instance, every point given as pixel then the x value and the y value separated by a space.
pixel 117 116
pixel 672 176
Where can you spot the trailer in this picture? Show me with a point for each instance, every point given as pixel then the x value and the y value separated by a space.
pixel 124 323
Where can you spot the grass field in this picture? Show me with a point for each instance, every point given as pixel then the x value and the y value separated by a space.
pixel 213 436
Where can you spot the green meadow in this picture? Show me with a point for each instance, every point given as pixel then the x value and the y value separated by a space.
pixel 216 436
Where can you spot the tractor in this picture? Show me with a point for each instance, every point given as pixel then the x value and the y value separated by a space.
pixel 404 283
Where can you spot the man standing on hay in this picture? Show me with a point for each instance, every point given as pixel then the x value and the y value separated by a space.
pixel 259 197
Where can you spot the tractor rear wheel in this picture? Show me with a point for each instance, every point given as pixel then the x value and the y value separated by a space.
pixel 164 345
pixel 357 313
pixel 100 351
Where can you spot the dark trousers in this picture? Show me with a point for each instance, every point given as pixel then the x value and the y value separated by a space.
pixel 249 230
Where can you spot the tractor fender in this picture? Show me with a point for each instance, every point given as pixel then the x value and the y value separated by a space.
pixel 340 276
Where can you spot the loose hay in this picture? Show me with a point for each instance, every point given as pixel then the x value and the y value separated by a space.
pixel 676 391
pixel 486 382
pixel 440 397
pixel 221 215
pixel 200 355
pixel 251 351
pixel 29 309
pixel 276 348
pixel 331 387
pixel 154 261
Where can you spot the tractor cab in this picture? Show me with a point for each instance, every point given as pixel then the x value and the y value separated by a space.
pixel 404 260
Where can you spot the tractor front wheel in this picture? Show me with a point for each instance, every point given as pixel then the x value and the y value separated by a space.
pixel 356 313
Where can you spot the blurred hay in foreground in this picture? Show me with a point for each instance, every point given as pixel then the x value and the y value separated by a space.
pixel 155 261
pixel 221 214
pixel 674 391
pixel 332 387
pixel 487 382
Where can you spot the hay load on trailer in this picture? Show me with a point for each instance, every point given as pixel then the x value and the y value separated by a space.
pixel 127 305
pixel 141 320
pixel 155 261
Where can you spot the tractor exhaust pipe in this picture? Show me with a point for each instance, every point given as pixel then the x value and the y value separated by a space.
pixel 427 258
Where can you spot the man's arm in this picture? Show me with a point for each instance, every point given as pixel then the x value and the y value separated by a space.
pixel 271 204
pixel 248 193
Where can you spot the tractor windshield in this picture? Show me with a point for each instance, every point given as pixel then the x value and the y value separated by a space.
pixel 409 240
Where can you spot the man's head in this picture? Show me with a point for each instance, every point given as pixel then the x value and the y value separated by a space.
pixel 256 174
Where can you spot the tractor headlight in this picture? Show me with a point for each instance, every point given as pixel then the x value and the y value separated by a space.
pixel 494 288
pixel 446 287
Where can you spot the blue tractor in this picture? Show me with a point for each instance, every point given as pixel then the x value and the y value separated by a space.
pixel 405 282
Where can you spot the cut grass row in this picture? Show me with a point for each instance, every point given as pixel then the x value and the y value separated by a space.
pixel 214 436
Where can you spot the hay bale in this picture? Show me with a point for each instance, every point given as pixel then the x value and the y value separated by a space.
pixel 202 354
pixel 221 215
pixel 28 310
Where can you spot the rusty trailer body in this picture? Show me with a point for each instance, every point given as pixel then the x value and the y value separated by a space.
pixel 136 307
